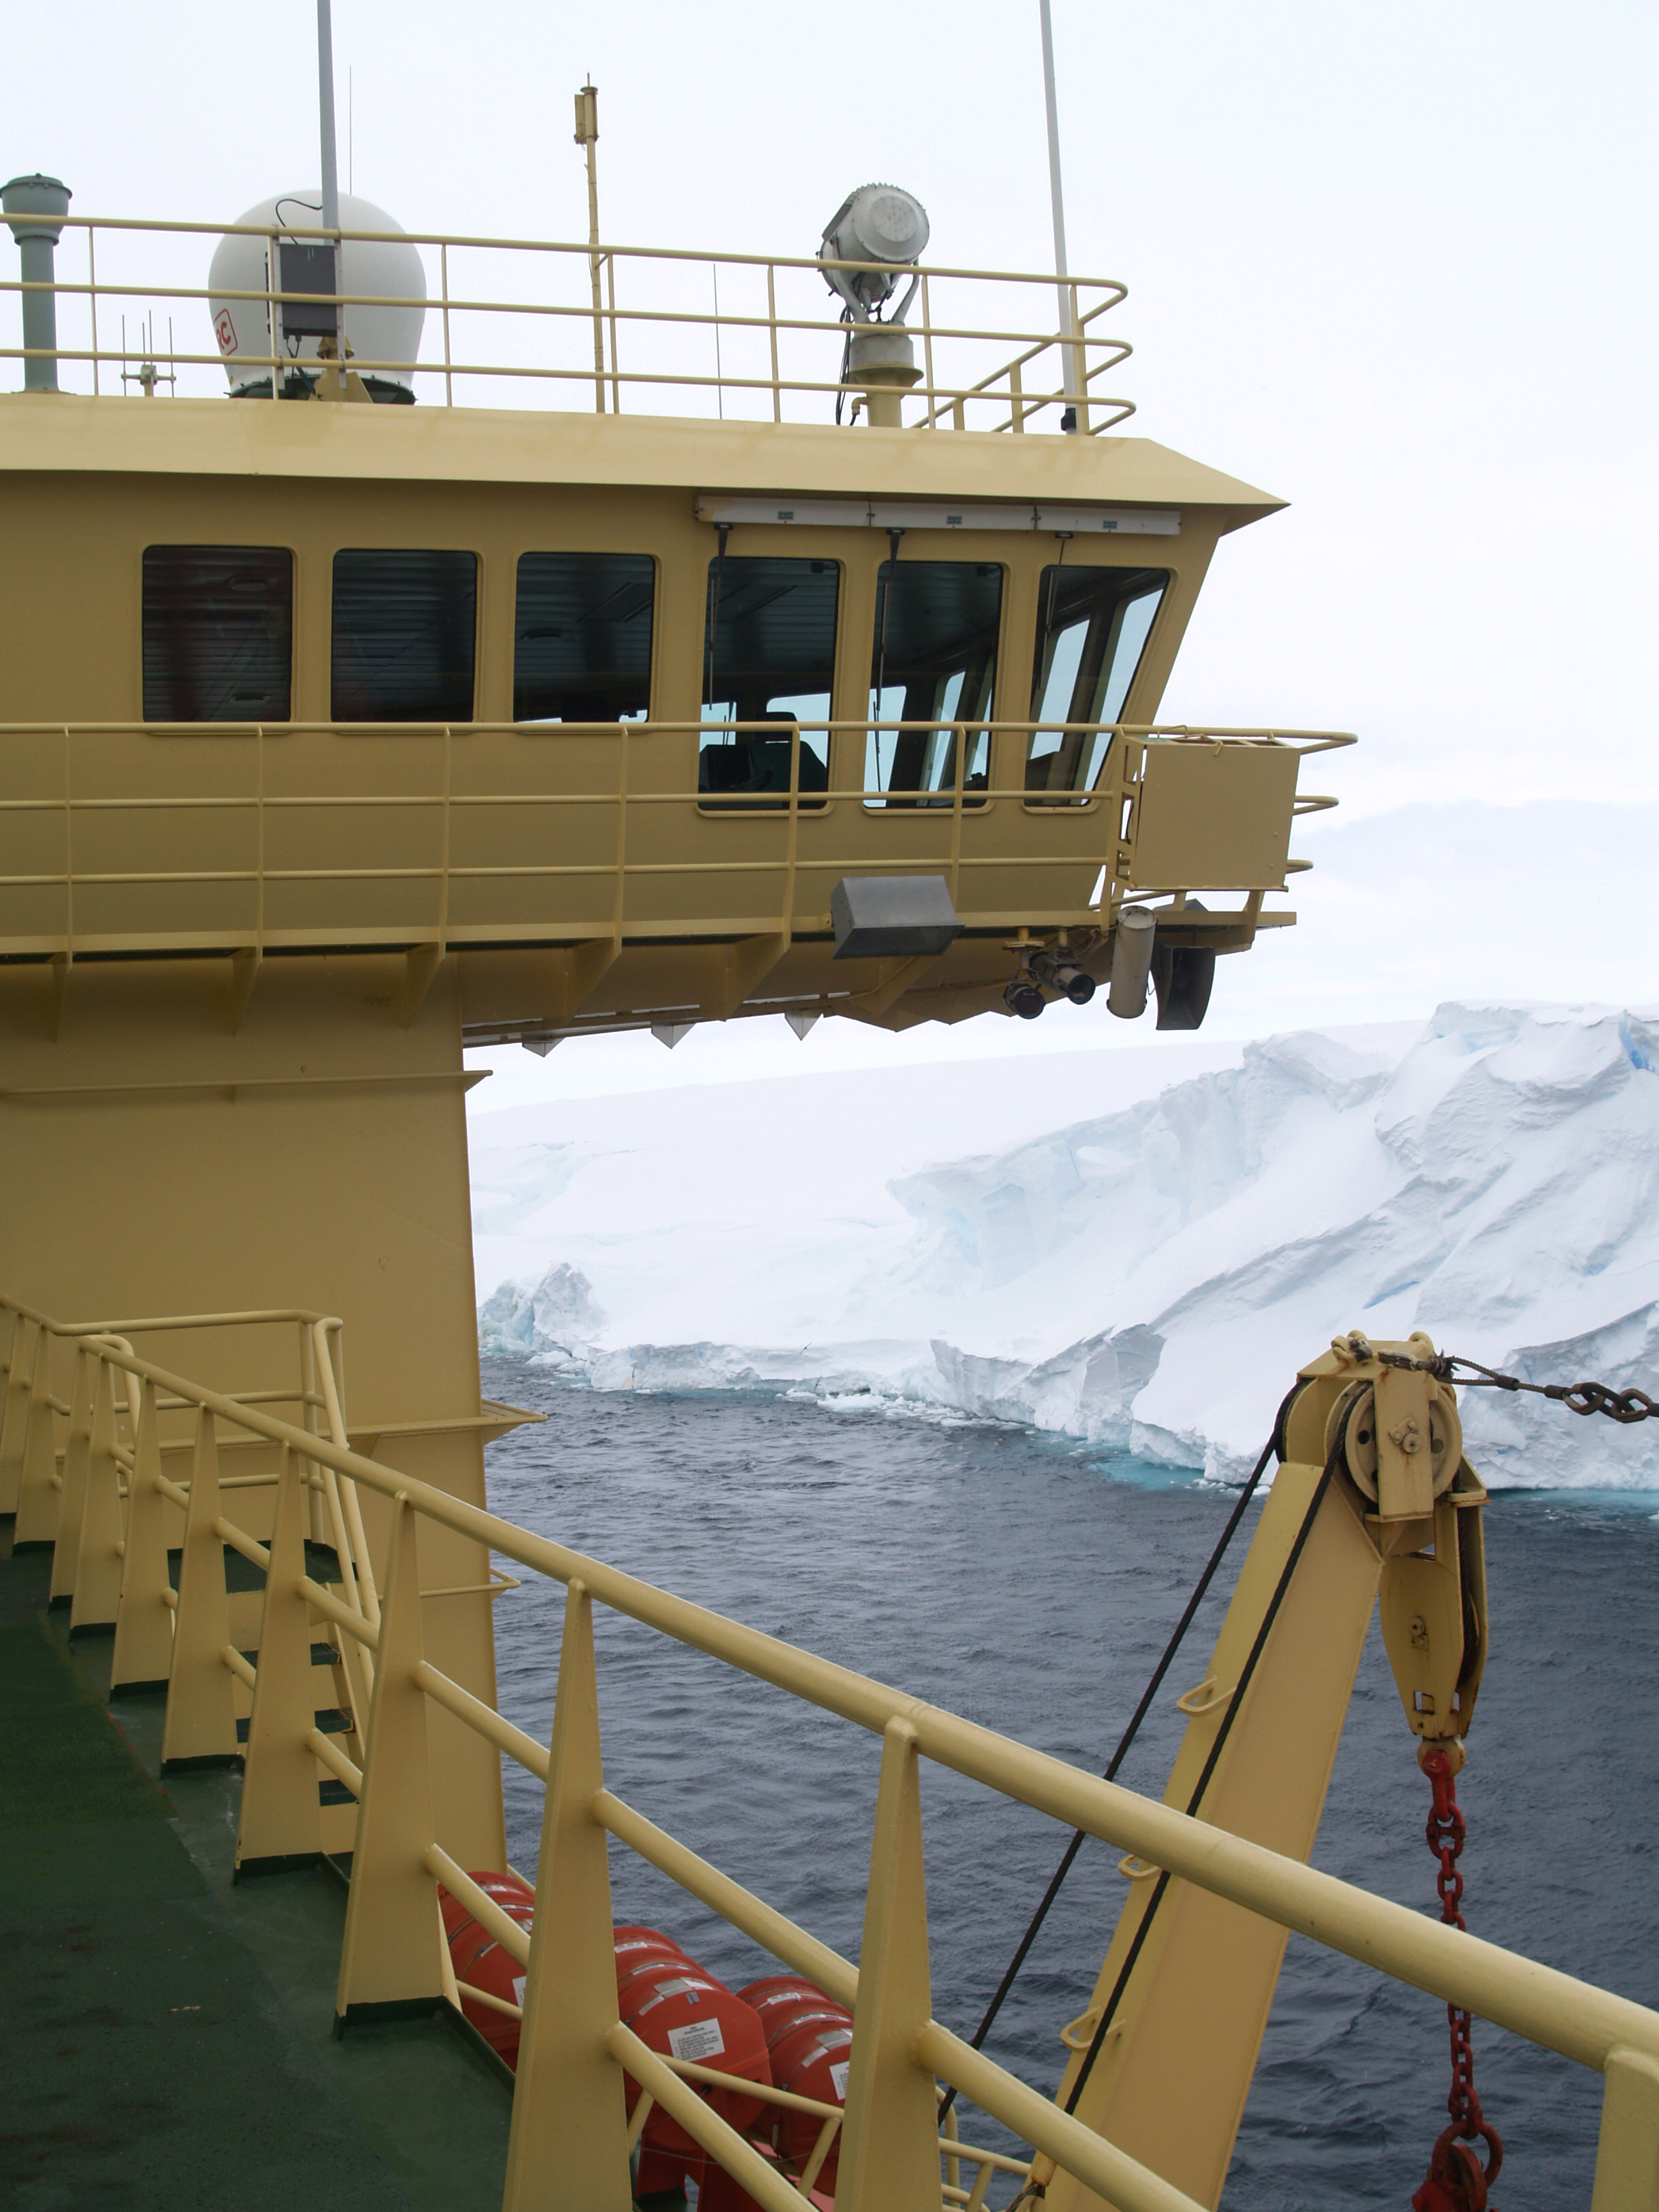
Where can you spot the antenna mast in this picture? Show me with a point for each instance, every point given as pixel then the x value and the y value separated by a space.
pixel 587 138
pixel 1057 198
pixel 325 113
pixel 331 162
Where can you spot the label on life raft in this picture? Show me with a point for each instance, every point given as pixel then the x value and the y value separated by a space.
pixel 519 1981
pixel 838 2075
pixel 698 2040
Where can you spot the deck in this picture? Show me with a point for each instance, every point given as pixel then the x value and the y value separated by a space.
pixel 167 2037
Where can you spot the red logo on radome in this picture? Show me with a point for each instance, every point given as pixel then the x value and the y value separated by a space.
pixel 225 330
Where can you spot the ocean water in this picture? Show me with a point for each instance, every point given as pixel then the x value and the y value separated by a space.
pixel 1031 1584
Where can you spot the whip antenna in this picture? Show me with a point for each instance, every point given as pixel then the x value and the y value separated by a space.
pixel 325 117
pixel 1057 200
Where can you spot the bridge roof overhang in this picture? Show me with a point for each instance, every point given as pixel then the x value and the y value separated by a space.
pixel 66 433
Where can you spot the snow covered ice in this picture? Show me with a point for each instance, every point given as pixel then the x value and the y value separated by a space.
pixel 1135 1247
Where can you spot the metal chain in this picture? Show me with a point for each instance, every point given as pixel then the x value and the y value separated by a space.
pixel 1456 2182
pixel 1577 1397
pixel 1446 1830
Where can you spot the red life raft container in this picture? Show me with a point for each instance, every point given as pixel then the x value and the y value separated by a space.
pixel 678 2007
pixel 809 2040
pixel 478 1958
pixel 718 2192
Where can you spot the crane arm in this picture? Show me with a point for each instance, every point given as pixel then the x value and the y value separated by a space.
pixel 1372 1494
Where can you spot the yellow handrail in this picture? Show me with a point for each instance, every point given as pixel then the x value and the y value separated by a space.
pixel 1592 2027
pixel 1080 355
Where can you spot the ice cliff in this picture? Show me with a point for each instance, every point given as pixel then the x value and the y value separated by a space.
pixel 1147 1277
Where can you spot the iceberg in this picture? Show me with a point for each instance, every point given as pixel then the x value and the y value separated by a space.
pixel 960 1242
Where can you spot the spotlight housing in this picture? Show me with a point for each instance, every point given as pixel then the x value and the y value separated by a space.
pixel 1061 973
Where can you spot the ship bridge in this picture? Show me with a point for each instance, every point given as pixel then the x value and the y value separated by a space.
pixel 601 705
pixel 785 662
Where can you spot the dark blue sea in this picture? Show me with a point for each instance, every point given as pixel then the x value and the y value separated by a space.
pixel 1031 1584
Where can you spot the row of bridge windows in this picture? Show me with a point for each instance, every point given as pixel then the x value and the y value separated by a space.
pixel 218 643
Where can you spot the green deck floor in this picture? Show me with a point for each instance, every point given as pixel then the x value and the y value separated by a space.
pixel 165 2035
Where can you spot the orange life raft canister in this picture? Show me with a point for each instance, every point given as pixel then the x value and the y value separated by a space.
pixel 678 2008
pixel 809 2040
pixel 478 1958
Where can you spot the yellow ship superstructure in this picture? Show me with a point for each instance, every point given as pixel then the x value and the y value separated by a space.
pixel 337 736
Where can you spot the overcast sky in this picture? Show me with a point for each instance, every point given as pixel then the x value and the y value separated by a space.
pixel 1393 264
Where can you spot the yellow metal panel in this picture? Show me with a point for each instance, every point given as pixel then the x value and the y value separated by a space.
pixel 512 446
pixel 1214 818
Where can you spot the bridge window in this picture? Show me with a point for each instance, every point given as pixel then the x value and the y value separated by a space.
pixel 768 655
pixel 581 649
pixel 405 626
pixel 1092 628
pixel 934 655
pixel 218 629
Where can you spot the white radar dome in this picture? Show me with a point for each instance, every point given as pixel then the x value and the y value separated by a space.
pixel 387 271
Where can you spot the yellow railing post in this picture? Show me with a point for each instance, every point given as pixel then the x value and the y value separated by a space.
pixel 13 1427
pixel 98 1566
pixel 568 2151
pixel 201 1721
pixel 143 1619
pixel 1627 2155
pixel 280 1820
pixel 390 1960
pixel 37 1496
pixel 889 2154
pixel 78 1452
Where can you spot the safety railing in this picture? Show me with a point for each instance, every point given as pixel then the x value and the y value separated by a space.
pixel 99 1495
pixel 562 832
pixel 662 334
pixel 571 2136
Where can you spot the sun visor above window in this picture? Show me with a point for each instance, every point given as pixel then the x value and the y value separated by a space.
pixel 937 514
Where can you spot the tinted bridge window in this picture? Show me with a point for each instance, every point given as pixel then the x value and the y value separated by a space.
pixel 218 629
pixel 405 626
pixel 581 639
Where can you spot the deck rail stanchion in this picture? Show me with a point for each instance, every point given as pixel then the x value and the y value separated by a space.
pixel 890 2147
pixel 567 2111
pixel 97 1592
pixel 1627 2152
pixel 15 1413
pixel 200 1721
pixel 280 1818
pixel 143 1619
pixel 390 1960
pixel 37 1499
pixel 78 1454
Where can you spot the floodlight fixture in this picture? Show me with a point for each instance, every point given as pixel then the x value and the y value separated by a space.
pixel 881 223
pixel 1061 973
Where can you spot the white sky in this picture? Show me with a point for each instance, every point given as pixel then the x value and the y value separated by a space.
pixel 1393 264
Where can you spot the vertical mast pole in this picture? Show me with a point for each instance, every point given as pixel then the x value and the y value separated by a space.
pixel 326 115
pixel 1057 200
pixel 587 138
pixel 330 154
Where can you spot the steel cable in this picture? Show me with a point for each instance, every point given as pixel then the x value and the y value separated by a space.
pixel 1274 1445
